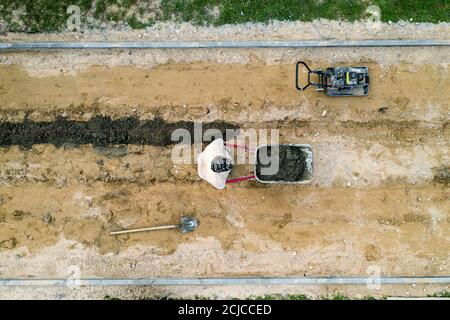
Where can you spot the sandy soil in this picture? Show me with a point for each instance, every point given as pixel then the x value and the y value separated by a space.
pixel 378 197
pixel 253 92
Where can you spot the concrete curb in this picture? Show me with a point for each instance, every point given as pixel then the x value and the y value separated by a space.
pixel 406 280
pixel 23 46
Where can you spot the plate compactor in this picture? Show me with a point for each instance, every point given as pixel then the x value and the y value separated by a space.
pixel 337 81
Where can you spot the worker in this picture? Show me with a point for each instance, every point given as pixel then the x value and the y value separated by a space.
pixel 215 163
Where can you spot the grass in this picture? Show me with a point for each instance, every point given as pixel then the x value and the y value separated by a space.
pixel 442 176
pixel 38 15
pixel 442 294
pixel 281 297
pixel 269 297
pixel 107 297
pixel 51 15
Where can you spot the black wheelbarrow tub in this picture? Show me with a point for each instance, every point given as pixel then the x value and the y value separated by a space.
pixel 295 163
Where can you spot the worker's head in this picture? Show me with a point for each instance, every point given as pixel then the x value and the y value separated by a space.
pixel 221 164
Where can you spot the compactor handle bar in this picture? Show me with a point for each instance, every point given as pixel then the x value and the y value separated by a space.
pixel 297 83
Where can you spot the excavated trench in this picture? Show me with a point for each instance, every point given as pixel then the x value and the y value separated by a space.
pixel 100 132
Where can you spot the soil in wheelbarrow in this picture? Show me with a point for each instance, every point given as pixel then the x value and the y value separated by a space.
pixel 291 163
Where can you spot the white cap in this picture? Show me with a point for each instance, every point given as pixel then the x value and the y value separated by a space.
pixel 204 160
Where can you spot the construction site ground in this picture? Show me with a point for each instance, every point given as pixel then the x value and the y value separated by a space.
pixel 379 199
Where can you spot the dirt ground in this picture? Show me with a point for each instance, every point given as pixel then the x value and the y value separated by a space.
pixel 379 197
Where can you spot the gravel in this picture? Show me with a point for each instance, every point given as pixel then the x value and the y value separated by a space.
pixel 276 30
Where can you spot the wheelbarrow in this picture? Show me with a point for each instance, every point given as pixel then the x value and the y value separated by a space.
pixel 295 164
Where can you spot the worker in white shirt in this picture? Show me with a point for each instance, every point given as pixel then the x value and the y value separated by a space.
pixel 215 164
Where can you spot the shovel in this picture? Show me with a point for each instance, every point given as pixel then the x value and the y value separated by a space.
pixel 187 224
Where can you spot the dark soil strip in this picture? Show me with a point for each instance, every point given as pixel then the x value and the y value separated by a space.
pixel 442 175
pixel 99 131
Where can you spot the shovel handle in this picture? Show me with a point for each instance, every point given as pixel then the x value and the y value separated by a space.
pixel 172 226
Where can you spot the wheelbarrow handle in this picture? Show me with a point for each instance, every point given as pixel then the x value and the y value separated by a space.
pixel 241 179
pixel 239 146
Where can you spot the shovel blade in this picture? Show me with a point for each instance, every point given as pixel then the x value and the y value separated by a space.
pixel 188 224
